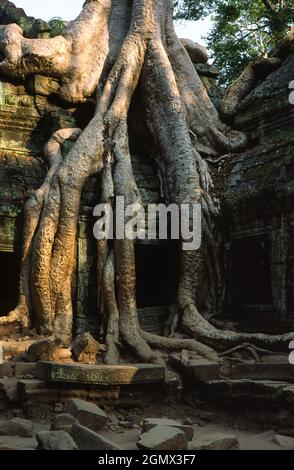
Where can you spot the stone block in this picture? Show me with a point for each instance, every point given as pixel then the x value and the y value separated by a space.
pixel 17 443
pixel 284 441
pixel 216 441
pixel 85 348
pixel 86 439
pixel 17 427
pixel 163 438
pixel 6 370
pixel 55 440
pixel 63 422
pixel 198 54
pixel 98 374
pixel 25 369
pixel 150 423
pixel 9 387
pixel 88 414
pixel 259 371
pixel 41 350
pixel 44 86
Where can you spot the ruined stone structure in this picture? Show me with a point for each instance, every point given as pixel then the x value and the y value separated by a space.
pixel 251 286
pixel 29 115
pixel 258 209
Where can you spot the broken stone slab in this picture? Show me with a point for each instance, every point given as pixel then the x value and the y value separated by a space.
pixel 17 443
pixel 85 348
pixel 17 427
pixel 150 423
pixel 63 422
pixel 98 374
pixel 216 441
pixel 87 413
pixel 163 438
pixel 55 440
pixel 86 439
pixel 284 441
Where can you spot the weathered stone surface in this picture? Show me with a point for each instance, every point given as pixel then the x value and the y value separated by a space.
pixel 17 443
pixel 25 369
pixel 63 422
pixel 42 350
pixel 265 436
pixel 85 348
pixel 6 370
pixel 203 370
pixel 17 427
pixel 26 385
pixel 55 440
pixel 44 86
pixel 101 374
pixel 163 438
pixel 215 442
pixel 198 54
pixel 86 439
pixel 150 423
pixel 88 414
pixel 259 370
pixel 207 70
pixel 8 385
pixel 284 441
pixel 33 390
pixel 260 391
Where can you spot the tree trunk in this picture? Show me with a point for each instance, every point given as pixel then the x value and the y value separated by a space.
pixel 116 48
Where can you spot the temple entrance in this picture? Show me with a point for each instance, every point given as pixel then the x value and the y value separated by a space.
pixel 157 274
pixel 157 270
pixel 9 280
pixel 249 283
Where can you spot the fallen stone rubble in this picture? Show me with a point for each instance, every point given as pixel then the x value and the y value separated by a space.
pixel 85 426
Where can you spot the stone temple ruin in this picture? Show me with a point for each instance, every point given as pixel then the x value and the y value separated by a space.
pixel 255 188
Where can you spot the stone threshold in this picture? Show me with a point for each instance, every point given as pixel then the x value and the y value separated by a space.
pixel 100 374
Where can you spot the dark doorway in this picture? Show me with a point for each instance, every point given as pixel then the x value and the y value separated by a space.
pixel 9 279
pixel 249 272
pixel 157 270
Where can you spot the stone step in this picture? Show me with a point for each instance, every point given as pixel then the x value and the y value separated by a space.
pixel 259 371
pixel 203 370
pixel 102 375
pixel 269 393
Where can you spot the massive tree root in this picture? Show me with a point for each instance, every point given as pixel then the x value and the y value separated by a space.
pixel 132 46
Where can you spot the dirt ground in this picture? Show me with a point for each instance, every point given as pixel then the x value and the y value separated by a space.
pixel 205 423
pixel 124 425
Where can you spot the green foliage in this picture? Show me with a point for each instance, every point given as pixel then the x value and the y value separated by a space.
pixel 57 26
pixel 242 30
